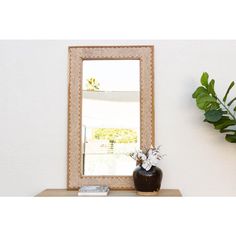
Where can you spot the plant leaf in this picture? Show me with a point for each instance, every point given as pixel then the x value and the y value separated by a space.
pixel 225 124
pixel 221 121
pixel 229 104
pixel 213 115
pixel 198 91
pixel 211 87
pixel 204 79
pixel 227 130
pixel 231 138
pixel 227 92
pixel 212 106
pixel 203 100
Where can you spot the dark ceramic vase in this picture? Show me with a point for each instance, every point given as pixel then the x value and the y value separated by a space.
pixel 147 181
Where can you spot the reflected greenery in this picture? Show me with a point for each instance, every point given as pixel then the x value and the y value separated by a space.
pixel 115 135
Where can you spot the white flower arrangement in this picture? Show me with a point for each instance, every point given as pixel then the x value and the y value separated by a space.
pixel 148 158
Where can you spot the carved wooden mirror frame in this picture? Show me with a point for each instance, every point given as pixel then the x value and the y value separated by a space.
pixel 77 54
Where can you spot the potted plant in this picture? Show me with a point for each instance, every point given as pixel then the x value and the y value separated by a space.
pixel 147 175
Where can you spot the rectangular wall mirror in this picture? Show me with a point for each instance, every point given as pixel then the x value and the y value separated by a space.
pixel 110 113
pixel 110 116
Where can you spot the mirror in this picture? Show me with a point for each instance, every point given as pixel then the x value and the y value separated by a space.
pixel 110 116
pixel 110 113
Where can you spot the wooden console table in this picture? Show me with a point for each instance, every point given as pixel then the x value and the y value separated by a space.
pixel 112 193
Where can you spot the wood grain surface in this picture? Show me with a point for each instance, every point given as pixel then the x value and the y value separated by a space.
pixel 112 193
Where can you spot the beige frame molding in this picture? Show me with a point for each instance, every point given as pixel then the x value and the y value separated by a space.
pixel 143 53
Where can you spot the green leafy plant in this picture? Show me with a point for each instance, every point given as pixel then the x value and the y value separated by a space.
pixel 93 84
pixel 218 112
pixel 116 135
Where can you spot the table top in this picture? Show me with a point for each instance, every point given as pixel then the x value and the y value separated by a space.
pixel 112 193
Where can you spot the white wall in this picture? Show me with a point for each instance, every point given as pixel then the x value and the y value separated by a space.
pixel 33 115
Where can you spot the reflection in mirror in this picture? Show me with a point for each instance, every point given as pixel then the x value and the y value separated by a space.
pixel 110 116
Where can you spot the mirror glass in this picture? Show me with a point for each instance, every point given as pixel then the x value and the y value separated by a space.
pixel 110 116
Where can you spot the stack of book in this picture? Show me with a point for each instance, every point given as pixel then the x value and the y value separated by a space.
pixel 93 191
